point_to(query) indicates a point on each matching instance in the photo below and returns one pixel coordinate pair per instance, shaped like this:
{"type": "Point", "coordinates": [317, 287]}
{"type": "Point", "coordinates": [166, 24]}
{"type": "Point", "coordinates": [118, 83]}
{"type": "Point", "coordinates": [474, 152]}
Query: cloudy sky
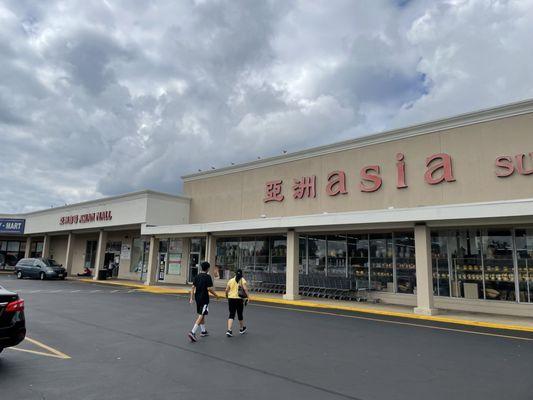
{"type": "Point", "coordinates": [104, 97]}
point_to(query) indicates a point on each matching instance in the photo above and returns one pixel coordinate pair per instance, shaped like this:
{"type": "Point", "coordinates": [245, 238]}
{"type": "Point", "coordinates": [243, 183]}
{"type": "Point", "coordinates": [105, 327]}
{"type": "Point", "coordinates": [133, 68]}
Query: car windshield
{"type": "Point", "coordinates": [51, 263]}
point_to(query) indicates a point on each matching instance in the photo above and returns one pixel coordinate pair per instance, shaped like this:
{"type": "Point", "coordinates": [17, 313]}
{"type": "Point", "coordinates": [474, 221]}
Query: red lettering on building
{"type": "Point", "coordinates": [400, 171]}
{"type": "Point", "coordinates": [304, 187]}
{"type": "Point", "coordinates": [273, 191]}
{"type": "Point", "coordinates": [336, 183]}
{"type": "Point", "coordinates": [441, 162]}
{"type": "Point", "coordinates": [86, 218]}
{"type": "Point", "coordinates": [370, 174]}
{"type": "Point", "coordinates": [520, 165]}
{"type": "Point", "coordinates": [505, 163]}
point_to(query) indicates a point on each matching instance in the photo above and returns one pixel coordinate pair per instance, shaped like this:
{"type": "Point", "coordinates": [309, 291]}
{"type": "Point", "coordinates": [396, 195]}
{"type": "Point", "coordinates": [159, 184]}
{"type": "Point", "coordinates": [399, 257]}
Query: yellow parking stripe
{"type": "Point", "coordinates": [339, 307]}
{"type": "Point", "coordinates": [441, 328]}
{"type": "Point", "coordinates": [54, 353]}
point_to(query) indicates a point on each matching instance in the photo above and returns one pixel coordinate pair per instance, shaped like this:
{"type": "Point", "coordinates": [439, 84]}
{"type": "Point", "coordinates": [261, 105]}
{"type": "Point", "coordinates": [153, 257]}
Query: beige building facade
{"type": "Point", "coordinates": [435, 216]}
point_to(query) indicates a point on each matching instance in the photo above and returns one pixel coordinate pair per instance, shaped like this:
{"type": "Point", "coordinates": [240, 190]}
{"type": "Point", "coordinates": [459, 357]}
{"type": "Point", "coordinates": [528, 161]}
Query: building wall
{"type": "Point", "coordinates": [58, 249]}
{"type": "Point", "coordinates": [78, 257]}
{"type": "Point", "coordinates": [473, 149]}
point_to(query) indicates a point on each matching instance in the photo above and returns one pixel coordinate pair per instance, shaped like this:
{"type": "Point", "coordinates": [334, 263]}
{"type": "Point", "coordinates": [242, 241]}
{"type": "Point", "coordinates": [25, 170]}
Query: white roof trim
{"type": "Point", "coordinates": [120, 197]}
{"type": "Point", "coordinates": [489, 114]}
{"type": "Point", "coordinates": [428, 214]}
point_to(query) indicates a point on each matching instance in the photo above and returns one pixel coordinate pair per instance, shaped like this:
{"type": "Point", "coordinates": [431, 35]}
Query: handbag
{"type": "Point", "coordinates": [241, 292]}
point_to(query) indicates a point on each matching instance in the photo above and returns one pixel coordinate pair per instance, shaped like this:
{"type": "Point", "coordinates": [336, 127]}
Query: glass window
{"type": "Point", "coordinates": [524, 252]}
{"type": "Point", "coordinates": [247, 254]}
{"type": "Point", "coordinates": [336, 245]}
{"type": "Point", "coordinates": [139, 256]}
{"type": "Point", "coordinates": [439, 257]}
{"type": "Point", "coordinates": [90, 253]}
{"type": "Point", "coordinates": [498, 265]}
{"type": "Point", "coordinates": [278, 254]}
{"type": "Point", "coordinates": [358, 257]}
{"type": "Point", "coordinates": [317, 254]}
{"type": "Point", "coordinates": [175, 255]}
{"type": "Point", "coordinates": [262, 260]}
{"type": "Point", "coordinates": [467, 270]}
{"type": "Point", "coordinates": [404, 247]}
{"type": "Point", "coordinates": [13, 246]}
{"type": "Point", "coordinates": [381, 266]}
{"type": "Point", "coordinates": [227, 258]}
{"type": "Point", "coordinates": [302, 257]}
{"type": "Point", "coordinates": [3, 245]}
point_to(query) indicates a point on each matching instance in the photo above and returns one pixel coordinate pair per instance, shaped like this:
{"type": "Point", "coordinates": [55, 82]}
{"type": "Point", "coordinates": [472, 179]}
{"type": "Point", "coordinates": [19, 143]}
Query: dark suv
{"type": "Point", "coordinates": [42, 268]}
{"type": "Point", "coordinates": [12, 321]}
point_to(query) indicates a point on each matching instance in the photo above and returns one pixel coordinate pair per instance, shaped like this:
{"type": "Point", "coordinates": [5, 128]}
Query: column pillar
{"type": "Point", "coordinates": [27, 250]}
{"type": "Point", "coordinates": [153, 262]}
{"type": "Point", "coordinates": [46, 246]}
{"type": "Point", "coordinates": [211, 250]}
{"type": "Point", "coordinates": [424, 277]}
{"type": "Point", "coordinates": [292, 286]}
{"type": "Point", "coordinates": [100, 253]}
{"type": "Point", "coordinates": [70, 253]}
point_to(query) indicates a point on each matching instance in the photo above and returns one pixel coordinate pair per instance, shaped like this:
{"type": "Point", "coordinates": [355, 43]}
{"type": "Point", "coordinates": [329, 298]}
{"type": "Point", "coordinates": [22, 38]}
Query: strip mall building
{"type": "Point", "coordinates": [436, 216]}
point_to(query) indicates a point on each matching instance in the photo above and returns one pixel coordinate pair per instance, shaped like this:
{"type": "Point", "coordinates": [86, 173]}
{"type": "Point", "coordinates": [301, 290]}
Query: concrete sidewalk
{"type": "Point", "coordinates": [379, 309]}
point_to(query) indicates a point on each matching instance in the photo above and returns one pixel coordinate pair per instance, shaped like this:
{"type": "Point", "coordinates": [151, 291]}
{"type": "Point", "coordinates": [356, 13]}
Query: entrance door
{"type": "Point", "coordinates": [162, 266]}
{"type": "Point", "coordinates": [194, 263]}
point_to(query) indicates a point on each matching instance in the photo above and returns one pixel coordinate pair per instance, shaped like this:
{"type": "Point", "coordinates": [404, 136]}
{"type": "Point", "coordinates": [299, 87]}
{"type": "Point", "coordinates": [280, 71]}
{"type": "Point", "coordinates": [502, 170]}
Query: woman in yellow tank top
{"type": "Point", "coordinates": [236, 301]}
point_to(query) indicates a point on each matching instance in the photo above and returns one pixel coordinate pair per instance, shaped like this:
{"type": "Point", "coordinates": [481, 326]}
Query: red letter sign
{"type": "Point", "coordinates": [370, 173]}
{"type": "Point", "coordinates": [305, 187]}
{"type": "Point", "coordinates": [273, 191]}
{"type": "Point", "coordinates": [520, 164]}
{"type": "Point", "coordinates": [506, 163]}
{"type": "Point", "coordinates": [444, 163]}
{"type": "Point", "coordinates": [400, 172]}
{"type": "Point", "coordinates": [336, 183]}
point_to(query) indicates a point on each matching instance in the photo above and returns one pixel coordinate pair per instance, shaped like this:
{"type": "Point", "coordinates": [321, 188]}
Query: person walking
{"type": "Point", "coordinates": [237, 295]}
{"type": "Point", "coordinates": [201, 287]}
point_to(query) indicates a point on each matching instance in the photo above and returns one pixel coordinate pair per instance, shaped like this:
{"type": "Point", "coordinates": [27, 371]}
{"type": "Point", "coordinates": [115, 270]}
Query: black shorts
{"type": "Point", "coordinates": [236, 305]}
{"type": "Point", "coordinates": [202, 308]}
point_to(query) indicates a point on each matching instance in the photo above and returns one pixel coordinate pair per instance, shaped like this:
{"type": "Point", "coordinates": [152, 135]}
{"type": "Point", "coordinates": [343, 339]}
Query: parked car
{"type": "Point", "coordinates": [12, 320]}
{"type": "Point", "coordinates": [41, 268]}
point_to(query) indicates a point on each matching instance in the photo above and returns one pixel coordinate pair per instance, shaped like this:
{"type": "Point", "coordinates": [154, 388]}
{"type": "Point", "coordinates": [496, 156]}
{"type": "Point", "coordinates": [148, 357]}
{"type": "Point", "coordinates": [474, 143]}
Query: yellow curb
{"type": "Point", "coordinates": [311, 304]}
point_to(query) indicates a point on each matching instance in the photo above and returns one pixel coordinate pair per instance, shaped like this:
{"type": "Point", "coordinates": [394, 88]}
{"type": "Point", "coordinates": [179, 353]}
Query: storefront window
{"type": "Point", "coordinates": [227, 258]}
{"type": "Point", "coordinates": [317, 254]}
{"type": "Point", "coordinates": [262, 260]}
{"type": "Point", "coordinates": [404, 247]}
{"type": "Point", "coordinates": [439, 257]}
{"type": "Point", "coordinates": [139, 256]}
{"type": "Point", "coordinates": [247, 254]}
{"type": "Point", "coordinates": [302, 257]}
{"type": "Point", "coordinates": [175, 257]}
{"type": "Point", "coordinates": [11, 252]}
{"type": "Point", "coordinates": [381, 263]}
{"type": "Point", "coordinates": [498, 265]}
{"type": "Point", "coordinates": [358, 257]}
{"type": "Point", "coordinates": [336, 245]}
{"type": "Point", "coordinates": [524, 252]}
{"type": "Point", "coordinates": [90, 253]}
{"type": "Point", "coordinates": [36, 249]}
{"type": "Point", "coordinates": [278, 254]}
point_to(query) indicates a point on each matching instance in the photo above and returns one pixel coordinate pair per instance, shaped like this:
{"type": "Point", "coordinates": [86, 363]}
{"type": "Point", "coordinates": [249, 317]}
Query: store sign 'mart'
{"type": "Point", "coordinates": [86, 218]}
{"type": "Point", "coordinates": [439, 170]}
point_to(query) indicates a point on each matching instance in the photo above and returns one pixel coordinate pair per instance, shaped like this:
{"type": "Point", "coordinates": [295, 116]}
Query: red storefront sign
{"type": "Point", "coordinates": [439, 169]}
{"type": "Point", "coordinates": [86, 218]}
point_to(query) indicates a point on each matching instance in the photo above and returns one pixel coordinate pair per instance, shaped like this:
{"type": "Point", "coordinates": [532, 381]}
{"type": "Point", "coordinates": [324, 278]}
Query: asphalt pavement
{"type": "Point", "coordinates": [120, 343]}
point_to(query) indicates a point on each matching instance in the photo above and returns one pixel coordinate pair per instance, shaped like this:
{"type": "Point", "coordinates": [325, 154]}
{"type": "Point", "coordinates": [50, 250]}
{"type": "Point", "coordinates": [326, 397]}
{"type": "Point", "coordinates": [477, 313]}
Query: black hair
{"type": "Point", "coordinates": [238, 275]}
{"type": "Point", "coordinates": [205, 266]}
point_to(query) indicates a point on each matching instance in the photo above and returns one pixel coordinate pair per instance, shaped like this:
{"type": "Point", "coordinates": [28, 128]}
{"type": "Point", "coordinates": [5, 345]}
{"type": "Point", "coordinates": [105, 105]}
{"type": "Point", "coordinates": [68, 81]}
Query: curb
{"type": "Point", "coordinates": [310, 304]}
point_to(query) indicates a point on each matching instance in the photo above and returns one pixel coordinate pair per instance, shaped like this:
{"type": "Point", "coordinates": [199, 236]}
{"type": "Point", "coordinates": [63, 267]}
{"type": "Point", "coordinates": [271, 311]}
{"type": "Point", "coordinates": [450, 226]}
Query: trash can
{"type": "Point", "coordinates": [102, 274]}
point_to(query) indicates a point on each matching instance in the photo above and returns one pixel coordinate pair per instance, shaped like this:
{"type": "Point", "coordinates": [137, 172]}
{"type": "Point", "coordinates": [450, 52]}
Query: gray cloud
{"type": "Point", "coordinates": [100, 98]}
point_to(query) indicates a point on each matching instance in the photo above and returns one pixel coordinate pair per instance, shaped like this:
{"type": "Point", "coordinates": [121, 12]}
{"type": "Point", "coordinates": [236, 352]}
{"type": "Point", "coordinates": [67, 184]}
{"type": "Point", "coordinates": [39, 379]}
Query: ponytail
{"type": "Point", "coordinates": [238, 275]}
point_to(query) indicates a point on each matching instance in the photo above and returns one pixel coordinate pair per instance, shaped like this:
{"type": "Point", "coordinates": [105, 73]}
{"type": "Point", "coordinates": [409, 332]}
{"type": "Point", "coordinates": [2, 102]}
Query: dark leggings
{"type": "Point", "coordinates": [236, 305]}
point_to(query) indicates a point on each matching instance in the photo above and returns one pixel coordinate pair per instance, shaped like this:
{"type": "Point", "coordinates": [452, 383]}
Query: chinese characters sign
{"type": "Point", "coordinates": [439, 170]}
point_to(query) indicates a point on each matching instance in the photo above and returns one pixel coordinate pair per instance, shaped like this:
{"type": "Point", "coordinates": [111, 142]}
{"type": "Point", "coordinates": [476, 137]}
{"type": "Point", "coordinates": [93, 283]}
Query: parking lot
{"type": "Point", "coordinates": [91, 341]}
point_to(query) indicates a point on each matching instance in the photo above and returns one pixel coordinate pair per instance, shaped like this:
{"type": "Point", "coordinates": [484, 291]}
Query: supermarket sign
{"type": "Point", "coordinates": [10, 225]}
